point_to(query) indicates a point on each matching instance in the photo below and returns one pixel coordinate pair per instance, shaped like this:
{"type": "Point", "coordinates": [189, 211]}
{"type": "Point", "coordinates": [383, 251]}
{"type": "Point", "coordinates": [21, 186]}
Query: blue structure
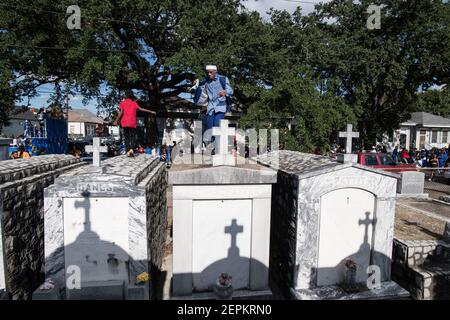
{"type": "Point", "coordinates": [55, 139]}
{"type": "Point", "coordinates": [50, 138]}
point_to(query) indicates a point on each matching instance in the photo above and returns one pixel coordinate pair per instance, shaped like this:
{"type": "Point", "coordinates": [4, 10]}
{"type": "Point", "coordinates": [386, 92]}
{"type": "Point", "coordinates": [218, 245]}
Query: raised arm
{"type": "Point", "coordinates": [148, 111]}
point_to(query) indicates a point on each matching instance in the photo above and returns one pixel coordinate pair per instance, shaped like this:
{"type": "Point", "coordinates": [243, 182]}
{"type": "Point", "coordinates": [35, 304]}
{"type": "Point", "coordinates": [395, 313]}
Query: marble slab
{"type": "Point", "coordinates": [97, 219]}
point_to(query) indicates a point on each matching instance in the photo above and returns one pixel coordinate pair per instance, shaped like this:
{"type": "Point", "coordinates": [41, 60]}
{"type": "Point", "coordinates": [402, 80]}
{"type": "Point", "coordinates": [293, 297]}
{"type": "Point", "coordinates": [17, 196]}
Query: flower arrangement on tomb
{"type": "Point", "coordinates": [223, 288]}
{"type": "Point", "coordinates": [349, 283]}
{"type": "Point", "coordinates": [350, 264]}
{"type": "Point", "coordinates": [225, 279]}
{"type": "Point", "coordinates": [142, 278]}
{"type": "Point", "coordinates": [47, 285]}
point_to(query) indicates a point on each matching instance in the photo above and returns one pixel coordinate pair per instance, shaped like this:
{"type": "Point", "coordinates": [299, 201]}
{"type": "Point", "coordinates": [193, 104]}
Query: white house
{"type": "Point", "coordinates": [422, 130]}
{"type": "Point", "coordinates": [83, 123]}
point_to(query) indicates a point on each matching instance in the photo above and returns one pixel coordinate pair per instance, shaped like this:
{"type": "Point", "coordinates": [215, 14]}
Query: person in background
{"type": "Point", "coordinates": [395, 154]}
{"type": "Point", "coordinates": [405, 157]}
{"type": "Point", "coordinates": [442, 159]}
{"type": "Point", "coordinates": [23, 154]}
{"type": "Point", "coordinates": [127, 116]}
{"type": "Point", "coordinates": [14, 155]}
{"type": "Point", "coordinates": [434, 164]}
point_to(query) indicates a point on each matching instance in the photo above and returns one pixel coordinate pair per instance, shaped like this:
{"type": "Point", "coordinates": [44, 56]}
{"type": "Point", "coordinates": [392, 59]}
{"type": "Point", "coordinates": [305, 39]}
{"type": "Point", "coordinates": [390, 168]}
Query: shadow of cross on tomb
{"type": "Point", "coordinates": [233, 230]}
{"type": "Point", "coordinates": [96, 149]}
{"type": "Point", "coordinates": [367, 222]}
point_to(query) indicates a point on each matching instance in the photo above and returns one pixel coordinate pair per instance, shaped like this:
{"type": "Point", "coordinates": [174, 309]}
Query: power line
{"type": "Point", "coordinates": [118, 51]}
{"type": "Point", "coordinates": [305, 2]}
{"type": "Point", "coordinates": [85, 17]}
{"type": "Point", "coordinates": [66, 49]}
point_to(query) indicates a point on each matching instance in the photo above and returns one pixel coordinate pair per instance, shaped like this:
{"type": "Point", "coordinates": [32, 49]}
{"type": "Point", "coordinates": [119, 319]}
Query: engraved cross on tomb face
{"type": "Point", "coordinates": [96, 149]}
{"type": "Point", "coordinates": [233, 230]}
{"type": "Point", "coordinates": [222, 155]}
{"type": "Point", "coordinates": [349, 135]}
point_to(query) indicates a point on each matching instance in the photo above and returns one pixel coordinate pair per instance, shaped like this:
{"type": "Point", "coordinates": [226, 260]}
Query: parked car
{"type": "Point", "coordinates": [383, 161]}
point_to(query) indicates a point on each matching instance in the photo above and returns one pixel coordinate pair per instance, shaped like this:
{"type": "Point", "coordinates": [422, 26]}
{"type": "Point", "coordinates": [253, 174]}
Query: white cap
{"type": "Point", "coordinates": [211, 67]}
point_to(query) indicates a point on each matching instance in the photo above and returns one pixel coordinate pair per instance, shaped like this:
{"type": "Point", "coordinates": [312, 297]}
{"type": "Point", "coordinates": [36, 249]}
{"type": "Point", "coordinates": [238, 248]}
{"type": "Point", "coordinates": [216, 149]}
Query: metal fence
{"type": "Point", "coordinates": [437, 181]}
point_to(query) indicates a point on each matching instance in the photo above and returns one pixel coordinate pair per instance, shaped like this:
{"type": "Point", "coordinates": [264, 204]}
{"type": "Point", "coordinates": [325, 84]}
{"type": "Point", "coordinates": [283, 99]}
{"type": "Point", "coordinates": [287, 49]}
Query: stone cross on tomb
{"type": "Point", "coordinates": [222, 155]}
{"type": "Point", "coordinates": [233, 230]}
{"type": "Point", "coordinates": [96, 149]}
{"type": "Point", "coordinates": [349, 135]}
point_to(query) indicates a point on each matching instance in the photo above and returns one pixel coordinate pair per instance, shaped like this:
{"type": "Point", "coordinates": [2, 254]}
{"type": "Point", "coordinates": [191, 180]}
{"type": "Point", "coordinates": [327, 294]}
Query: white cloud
{"type": "Point", "coordinates": [76, 98]}
{"type": "Point", "coordinates": [262, 6]}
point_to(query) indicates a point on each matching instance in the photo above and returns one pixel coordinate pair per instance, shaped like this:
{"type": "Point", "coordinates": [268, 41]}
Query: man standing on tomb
{"type": "Point", "coordinates": [219, 92]}
{"type": "Point", "coordinates": [127, 115]}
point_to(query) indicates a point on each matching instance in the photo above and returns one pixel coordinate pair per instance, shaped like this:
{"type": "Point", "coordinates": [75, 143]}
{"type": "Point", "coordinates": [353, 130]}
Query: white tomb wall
{"type": "Point", "coordinates": [341, 234]}
{"type": "Point", "coordinates": [211, 243]}
{"type": "Point", "coordinates": [221, 226]}
{"type": "Point", "coordinates": [100, 249]}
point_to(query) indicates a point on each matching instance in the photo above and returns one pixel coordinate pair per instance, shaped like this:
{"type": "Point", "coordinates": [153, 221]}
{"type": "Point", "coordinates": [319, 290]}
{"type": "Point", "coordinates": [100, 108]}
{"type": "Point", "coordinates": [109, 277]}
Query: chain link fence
{"type": "Point", "coordinates": [437, 181]}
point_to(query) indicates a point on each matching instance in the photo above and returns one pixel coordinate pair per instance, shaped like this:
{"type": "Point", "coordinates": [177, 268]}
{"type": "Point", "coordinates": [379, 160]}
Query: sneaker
{"type": "Point", "coordinates": [130, 153]}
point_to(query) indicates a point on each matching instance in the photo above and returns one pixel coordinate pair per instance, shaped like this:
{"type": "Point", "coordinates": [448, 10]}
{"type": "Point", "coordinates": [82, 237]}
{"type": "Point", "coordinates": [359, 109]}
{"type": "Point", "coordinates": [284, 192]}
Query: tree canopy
{"type": "Point", "coordinates": [310, 73]}
{"type": "Point", "coordinates": [435, 101]}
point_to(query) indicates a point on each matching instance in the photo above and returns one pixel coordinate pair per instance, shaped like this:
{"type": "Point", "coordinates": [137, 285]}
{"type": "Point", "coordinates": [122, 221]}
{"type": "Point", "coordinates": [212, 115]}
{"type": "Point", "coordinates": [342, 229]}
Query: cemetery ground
{"type": "Point", "coordinates": [420, 219]}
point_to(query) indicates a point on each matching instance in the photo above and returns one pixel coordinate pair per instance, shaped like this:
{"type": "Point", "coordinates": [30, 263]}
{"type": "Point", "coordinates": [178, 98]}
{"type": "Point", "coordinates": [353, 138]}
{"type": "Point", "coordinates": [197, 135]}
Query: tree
{"type": "Point", "coordinates": [306, 119]}
{"type": "Point", "coordinates": [323, 69]}
{"type": "Point", "coordinates": [380, 70]}
{"type": "Point", "coordinates": [435, 101]}
{"type": "Point", "coordinates": [154, 47]}
{"type": "Point", "coordinates": [6, 96]}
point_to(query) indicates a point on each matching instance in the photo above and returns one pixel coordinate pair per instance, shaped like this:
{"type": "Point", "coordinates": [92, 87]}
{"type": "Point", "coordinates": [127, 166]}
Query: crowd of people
{"type": "Point", "coordinates": [115, 149]}
{"type": "Point", "coordinates": [426, 158]}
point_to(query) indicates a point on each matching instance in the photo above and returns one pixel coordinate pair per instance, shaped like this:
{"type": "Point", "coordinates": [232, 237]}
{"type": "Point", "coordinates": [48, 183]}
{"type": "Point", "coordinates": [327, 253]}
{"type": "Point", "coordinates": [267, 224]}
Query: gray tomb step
{"type": "Point", "coordinates": [99, 290]}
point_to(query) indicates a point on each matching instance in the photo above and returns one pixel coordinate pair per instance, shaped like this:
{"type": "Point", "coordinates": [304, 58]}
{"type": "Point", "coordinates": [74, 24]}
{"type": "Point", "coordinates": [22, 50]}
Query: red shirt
{"type": "Point", "coordinates": [129, 108]}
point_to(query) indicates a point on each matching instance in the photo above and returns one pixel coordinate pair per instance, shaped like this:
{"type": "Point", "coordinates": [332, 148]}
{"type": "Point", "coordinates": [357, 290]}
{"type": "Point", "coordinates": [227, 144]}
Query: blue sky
{"type": "Point", "coordinates": [261, 6]}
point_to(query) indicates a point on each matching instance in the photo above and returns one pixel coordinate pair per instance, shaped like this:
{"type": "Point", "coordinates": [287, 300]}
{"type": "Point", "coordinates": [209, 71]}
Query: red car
{"type": "Point", "coordinates": [383, 161]}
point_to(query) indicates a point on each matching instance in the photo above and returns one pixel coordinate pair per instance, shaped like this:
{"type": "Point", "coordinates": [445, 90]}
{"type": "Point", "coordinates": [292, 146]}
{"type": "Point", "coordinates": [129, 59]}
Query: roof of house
{"type": "Point", "coordinates": [83, 115]}
{"type": "Point", "coordinates": [429, 120]}
{"type": "Point", "coordinates": [22, 113]}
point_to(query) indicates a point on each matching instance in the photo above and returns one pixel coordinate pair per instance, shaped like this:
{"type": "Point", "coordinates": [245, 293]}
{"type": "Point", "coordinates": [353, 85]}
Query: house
{"type": "Point", "coordinates": [422, 130]}
{"type": "Point", "coordinates": [17, 120]}
{"type": "Point", "coordinates": [84, 124]}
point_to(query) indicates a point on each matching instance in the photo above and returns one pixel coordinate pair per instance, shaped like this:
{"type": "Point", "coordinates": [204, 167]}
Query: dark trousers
{"type": "Point", "coordinates": [129, 135]}
{"type": "Point", "coordinates": [213, 119]}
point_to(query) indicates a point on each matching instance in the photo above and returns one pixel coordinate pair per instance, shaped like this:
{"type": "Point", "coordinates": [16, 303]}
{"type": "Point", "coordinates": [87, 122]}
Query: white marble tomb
{"type": "Point", "coordinates": [324, 214]}
{"type": "Point", "coordinates": [96, 219]}
{"type": "Point", "coordinates": [221, 224]}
